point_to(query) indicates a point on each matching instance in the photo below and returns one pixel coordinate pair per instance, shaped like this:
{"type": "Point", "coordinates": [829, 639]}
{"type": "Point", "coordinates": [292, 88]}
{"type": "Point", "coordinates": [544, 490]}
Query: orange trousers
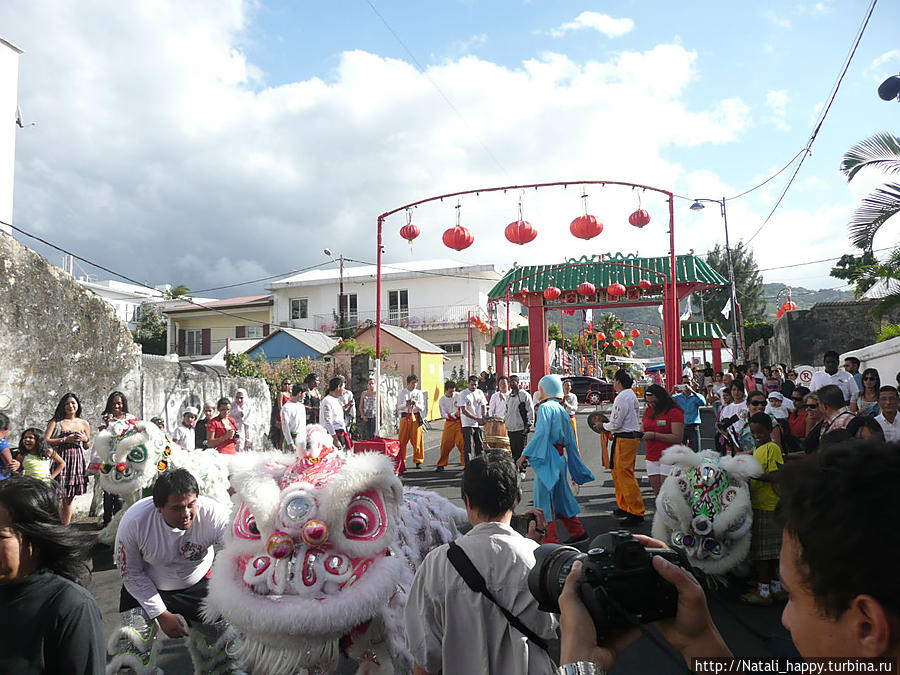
{"type": "Point", "coordinates": [575, 431]}
{"type": "Point", "coordinates": [411, 432]}
{"type": "Point", "coordinates": [628, 492]}
{"type": "Point", "coordinates": [452, 436]}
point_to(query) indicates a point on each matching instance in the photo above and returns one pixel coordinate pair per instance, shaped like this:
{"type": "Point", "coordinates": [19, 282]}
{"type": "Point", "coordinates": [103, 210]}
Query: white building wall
{"type": "Point", "coordinates": [9, 86]}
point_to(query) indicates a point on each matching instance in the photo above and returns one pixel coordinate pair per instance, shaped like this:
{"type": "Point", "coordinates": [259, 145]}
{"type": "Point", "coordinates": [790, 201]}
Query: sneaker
{"type": "Point", "coordinates": [630, 520]}
{"type": "Point", "coordinates": [580, 539]}
{"type": "Point", "coordinates": [755, 598]}
{"type": "Point", "coordinates": [619, 512]}
{"type": "Point", "coordinates": [438, 469]}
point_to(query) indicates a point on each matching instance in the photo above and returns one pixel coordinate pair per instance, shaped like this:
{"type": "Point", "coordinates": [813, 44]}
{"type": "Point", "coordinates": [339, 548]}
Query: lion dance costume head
{"type": "Point", "coordinates": [704, 508]}
{"type": "Point", "coordinates": [318, 558]}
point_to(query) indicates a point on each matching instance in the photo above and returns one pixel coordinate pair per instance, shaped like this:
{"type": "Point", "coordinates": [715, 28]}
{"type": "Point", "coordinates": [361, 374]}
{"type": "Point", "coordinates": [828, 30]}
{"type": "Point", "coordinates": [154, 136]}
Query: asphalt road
{"type": "Point", "coordinates": [749, 631]}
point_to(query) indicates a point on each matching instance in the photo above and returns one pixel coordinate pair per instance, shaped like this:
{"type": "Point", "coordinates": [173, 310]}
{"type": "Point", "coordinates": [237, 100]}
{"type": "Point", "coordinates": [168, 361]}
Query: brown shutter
{"type": "Point", "coordinates": [206, 340]}
{"type": "Point", "coordinates": [265, 329]}
{"type": "Point", "coordinates": [240, 331]}
{"type": "Point", "coordinates": [182, 339]}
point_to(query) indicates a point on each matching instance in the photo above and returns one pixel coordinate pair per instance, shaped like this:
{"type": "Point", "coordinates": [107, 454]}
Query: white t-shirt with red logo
{"type": "Point", "coordinates": [153, 557]}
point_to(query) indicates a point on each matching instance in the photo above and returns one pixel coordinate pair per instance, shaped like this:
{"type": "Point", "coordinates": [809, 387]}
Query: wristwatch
{"type": "Point", "coordinates": [580, 668]}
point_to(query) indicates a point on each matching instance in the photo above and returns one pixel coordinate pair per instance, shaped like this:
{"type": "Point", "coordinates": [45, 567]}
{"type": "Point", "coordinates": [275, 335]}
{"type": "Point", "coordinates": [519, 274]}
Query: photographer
{"type": "Point", "coordinates": [443, 613]}
{"type": "Point", "coordinates": [839, 606]}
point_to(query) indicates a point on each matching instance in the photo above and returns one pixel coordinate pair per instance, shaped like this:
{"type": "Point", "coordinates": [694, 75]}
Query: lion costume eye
{"type": "Point", "coordinates": [138, 454]}
{"type": "Point", "coordinates": [366, 518]}
{"type": "Point", "coordinates": [245, 524]}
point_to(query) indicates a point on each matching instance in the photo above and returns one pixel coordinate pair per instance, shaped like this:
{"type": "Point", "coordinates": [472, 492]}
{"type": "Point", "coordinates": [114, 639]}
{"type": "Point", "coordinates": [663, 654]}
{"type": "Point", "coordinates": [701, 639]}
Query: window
{"type": "Point", "coordinates": [254, 331]}
{"type": "Point", "coordinates": [398, 304]}
{"type": "Point", "coordinates": [299, 308]}
{"type": "Point", "coordinates": [193, 342]}
{"type": "Point", "coordinates": [350, 312]}
{"type": "Point", "coordinates": [452, 347]}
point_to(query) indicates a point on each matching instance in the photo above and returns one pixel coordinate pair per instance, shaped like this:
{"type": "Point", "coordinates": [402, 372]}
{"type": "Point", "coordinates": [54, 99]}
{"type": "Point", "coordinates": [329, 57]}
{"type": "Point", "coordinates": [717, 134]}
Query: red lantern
{"type": "Point", "coordinates": [458, 237]}
{"type": "Point", "coordinates": [409, 232]}
{"type": "Point", "coordinates": [658, 343]}
{"type": "Point", "coordinates": [616, 344]}
{"type": "Point", "coordinates": [650, 331]}
{"type": "Point", "coordinates": [639, 218]}
{"type": "Point", "coordinates": [616, 290]}
{"type": "Point", "coordinates": [601, 335]}
{"type": "Point", "coordinates": [586, 288]}
{"type": "Point", "coordinates": [606, 344]}
{"type": "Point", "coordinates": [586, 227]}
{"type": "Point", "coordinates": [552, 293]}
{"type": "Point", "coordinates": [647, 342]}
{"type": "Point", "coordinates": [635, 332]}
{"type": "Point", "coordinates": [629, 342]}
{"type": "Point", "coordinates": [643, 284]}
{"type": "Point", "coordinates": [520, 232]}
{"type": "Point", "coordinates": [619, 334]}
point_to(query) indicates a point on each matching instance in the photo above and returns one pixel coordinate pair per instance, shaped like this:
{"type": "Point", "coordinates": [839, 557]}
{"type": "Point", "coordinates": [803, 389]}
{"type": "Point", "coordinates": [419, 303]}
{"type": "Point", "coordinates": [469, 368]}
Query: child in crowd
{"type": "Point", "coordinates": [775, 406]}
{"type": "Point", "coordinates": [765, 541]}
{"type": "Point", "coordinates": [7, 464]}
{"type": "Point", "coordinates": [36, 457]}
{"type": "Point", "coordinates": [184, 434]}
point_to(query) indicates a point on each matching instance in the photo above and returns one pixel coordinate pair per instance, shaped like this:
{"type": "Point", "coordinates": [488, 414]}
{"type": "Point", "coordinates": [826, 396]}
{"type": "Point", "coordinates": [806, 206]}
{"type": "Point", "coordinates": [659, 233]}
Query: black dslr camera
{"type": "Point", "coordinates": [617, 582]}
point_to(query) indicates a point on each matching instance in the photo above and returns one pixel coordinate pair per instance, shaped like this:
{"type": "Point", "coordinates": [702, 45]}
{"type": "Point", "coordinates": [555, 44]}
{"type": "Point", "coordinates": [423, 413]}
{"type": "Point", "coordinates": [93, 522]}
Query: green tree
{"type": "Point", "coordinates": [178, 291]}
{"type": "Point", "coordinates": [747, 284]}
{"type": "Point", "coordinates": [855, 268]}
{"type": "Point", "coordinates": [151, 329]}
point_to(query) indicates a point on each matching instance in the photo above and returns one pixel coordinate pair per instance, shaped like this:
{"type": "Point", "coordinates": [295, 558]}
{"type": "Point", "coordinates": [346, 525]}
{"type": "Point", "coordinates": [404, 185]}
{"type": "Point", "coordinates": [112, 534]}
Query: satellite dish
{"type": "Point", "coordinates": [890, 88]}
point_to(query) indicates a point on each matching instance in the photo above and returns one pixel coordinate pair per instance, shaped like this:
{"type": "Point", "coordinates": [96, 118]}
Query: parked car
{"type": "Point", "coordinates": [591, 390]}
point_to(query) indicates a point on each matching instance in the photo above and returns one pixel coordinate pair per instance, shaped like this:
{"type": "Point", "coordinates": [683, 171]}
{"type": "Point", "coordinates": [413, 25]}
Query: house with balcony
{"type": "Point", "coordinates": [199, 330]}
{"type": "Point", "coordinates": [434, 299]}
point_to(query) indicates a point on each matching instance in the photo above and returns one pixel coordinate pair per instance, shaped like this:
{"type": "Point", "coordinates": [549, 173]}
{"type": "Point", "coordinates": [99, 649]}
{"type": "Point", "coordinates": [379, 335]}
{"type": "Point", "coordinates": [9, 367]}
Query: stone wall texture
{"type": "Point", "coordinates": [57, 337]}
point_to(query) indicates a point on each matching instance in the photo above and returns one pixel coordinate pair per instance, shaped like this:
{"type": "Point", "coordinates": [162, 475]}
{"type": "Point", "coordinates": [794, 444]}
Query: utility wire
{"type": "Point", "coordinates": [821, 119]}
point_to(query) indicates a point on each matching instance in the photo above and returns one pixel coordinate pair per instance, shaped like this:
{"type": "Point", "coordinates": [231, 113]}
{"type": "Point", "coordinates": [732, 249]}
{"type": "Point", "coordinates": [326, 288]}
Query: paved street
{"type": "Point", "coordinates": [750, 631]}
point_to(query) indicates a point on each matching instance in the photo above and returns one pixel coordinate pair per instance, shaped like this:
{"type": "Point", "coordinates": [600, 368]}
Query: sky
{"type": "Point", "coordinates": [218, 141]}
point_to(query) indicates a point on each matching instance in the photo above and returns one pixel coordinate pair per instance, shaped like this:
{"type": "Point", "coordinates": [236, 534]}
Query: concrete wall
{"type": "Point", "coordinates": [883, 356]}
{"type": "Point", "coordinates": [57, 337]}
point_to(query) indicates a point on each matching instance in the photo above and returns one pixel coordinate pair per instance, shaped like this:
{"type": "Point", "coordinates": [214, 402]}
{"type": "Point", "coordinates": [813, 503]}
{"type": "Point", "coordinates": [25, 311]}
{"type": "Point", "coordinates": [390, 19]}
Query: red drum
{"type": "Point", "coordinates": [495, 435]}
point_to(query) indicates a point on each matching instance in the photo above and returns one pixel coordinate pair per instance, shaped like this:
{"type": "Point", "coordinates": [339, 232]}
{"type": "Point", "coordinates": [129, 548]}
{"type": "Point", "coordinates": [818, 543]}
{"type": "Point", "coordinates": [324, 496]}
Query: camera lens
{"type": "Point", "coordinates": [546, 579]}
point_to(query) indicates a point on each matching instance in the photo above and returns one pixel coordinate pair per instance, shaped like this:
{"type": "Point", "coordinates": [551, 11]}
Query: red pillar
{"type": "Point", "coordinates": [717, 354]}
{"type": "Point", "coordinates": [537, 339]}
{"type": "Point", "coordinates": [500, 361]}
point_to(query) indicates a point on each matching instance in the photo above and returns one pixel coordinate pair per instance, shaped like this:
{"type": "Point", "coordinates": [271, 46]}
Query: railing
{"type": "Point", "coordinates": [414, 318]}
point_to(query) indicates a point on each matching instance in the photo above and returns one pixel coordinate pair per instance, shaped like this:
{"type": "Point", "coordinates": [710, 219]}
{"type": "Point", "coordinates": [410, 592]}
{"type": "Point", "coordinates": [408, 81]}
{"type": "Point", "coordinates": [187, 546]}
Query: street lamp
{"type": "Point", "coordinates": [340, 263]}
{"type": "Point", "coordinates": [698, 206]}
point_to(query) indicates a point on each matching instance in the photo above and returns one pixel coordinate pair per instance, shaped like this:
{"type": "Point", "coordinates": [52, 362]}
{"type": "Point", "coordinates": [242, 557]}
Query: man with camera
{"type": "Point", "coordinates": [840, 606]}
{"type": "Point", "coordinates": [444, 613]}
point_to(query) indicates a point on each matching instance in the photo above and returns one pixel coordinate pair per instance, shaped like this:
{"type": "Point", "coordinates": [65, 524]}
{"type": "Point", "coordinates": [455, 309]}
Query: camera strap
{"type": "Point", "coordinates": [462, 564]}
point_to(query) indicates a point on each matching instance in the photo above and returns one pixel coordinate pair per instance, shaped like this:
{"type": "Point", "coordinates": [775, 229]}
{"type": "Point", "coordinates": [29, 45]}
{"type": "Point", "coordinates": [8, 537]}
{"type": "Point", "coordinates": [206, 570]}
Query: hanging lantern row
{"type": "Point", "coordinates": [552, 293]}
{"type": "Point", "coordinates": [647, 342]}
{"type": "Point", "coordinates": [586, 288]}
{"type": "Point", "coordinates": [635, 333]}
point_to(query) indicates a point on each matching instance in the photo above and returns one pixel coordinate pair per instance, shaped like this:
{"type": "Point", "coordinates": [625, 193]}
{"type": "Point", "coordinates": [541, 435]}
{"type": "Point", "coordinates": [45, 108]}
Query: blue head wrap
{"type": "Point", "coordinates": [552, 386]}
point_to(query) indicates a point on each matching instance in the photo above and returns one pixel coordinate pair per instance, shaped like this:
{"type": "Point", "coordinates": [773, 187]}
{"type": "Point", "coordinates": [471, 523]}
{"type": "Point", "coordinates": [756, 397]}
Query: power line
{"type": "Point", "coordinates": [434, 84]}
{"type": "Point", "coordinates": [256, 281]}
{"type": "Point", "coordinates": [821, 120]}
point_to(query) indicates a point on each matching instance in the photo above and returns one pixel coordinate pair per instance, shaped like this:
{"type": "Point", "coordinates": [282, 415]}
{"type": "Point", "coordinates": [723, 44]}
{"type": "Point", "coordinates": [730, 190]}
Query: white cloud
{"type": "Point", "coordinates": [776, 102]}
{"type": "Point", "coordinates": [473, 43]}
{"type": "Point", "coordinates": [776, 20]}
{"type": "Point", "coordinates": [160, 151]}
{"type": "Point", "coordinates": [602, 23]}
{"type": "Point", "coordinates": [887, 57]}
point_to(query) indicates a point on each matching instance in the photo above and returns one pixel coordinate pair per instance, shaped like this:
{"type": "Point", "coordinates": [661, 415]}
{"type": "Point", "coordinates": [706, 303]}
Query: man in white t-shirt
{"type": "Point", "coordinates": [164, 550]}
{"type": "Point", "coordinates": [184, 432]}
{"type": "Point", "coordinates": [833, 375]}
{"type": "Point", "coordinates": [452, 435]}
{"type": "Point", "coordinates": [497, 406]}
{"type": "Point", "coordinates": [472, 407]}
{"type": "Point", "coordinates": [888, 401]}
{"type": "Point", "coordinates": [293, 422]}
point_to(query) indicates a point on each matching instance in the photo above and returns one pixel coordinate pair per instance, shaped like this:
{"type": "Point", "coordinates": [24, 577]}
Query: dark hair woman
{"type": "Point", "coordinates": [867, 403]}
{"type": "Point", "coordinates": [116, 409]}
{"type": "Point", "coordinates": [40, 564]}
{"type": "Point", "coordinates": [663, 426]}
{"type": "Point", "coordinates": [312, 398]}
{"type": "Point", "coordinates": [70, 436]}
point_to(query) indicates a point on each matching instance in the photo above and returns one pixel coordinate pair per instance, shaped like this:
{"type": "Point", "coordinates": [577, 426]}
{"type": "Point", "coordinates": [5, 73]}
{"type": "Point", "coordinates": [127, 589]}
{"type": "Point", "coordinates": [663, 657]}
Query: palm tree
{"type": "Point", "coordinates": [881, 151]}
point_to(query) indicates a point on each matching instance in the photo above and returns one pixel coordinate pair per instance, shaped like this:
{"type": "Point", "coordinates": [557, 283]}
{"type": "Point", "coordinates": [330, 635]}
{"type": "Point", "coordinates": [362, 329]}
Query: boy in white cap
{"type": "Point", "coordinates": [552, 453]}
{"type": "Point", "coordinates": [184, 434]}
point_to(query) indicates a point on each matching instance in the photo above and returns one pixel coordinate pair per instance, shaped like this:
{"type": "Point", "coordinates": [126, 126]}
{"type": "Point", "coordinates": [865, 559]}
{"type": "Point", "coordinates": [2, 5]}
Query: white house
{"type": "Point", "coordinates": [125, 298]}
{"type": "Point", "coordinates": [435, 299]}
{"type": "Point", "coordinates": [9, 96]}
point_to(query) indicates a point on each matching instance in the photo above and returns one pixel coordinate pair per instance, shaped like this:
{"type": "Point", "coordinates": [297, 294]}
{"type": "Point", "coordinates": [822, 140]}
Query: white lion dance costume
{"type": "Point", "coordinates": [319, 557]}
{"type": "Point", "coordinates": [704, 508]}
{"type": "Point", "coordinates": [134, 452]}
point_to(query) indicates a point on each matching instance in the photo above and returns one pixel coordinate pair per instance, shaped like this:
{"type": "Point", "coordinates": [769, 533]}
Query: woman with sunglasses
{"type": "Point", "coordinates": [797, 417]}
{"type": "Point", "coordinates": [815, 417]}
{"type": "Point", "coordinates": [867, 403]}
{"type": "Point", "coordinates": [756, 403]}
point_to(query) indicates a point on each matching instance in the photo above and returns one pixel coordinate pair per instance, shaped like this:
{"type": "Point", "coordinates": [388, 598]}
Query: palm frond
{"type": "Point", "coordinates": [873, 212]}
{"type": "Point", "coordinates": [880, 151]}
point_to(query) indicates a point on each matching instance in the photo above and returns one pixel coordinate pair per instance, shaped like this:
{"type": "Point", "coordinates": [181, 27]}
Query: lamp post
{"type": "Point", "coordinates": [340, 263]}
{"type": "Point", "coordinates": [698, 206]}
